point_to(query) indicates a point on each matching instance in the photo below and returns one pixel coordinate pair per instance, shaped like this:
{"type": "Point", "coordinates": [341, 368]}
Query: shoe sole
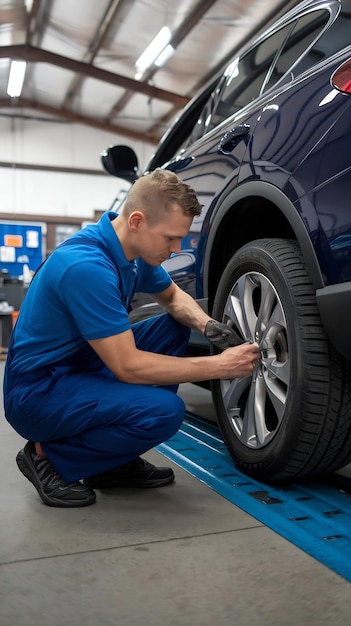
{"type": "Point", "coordinates": [25, 466]}
{"type": "Point", "coordinates": [143, 484]}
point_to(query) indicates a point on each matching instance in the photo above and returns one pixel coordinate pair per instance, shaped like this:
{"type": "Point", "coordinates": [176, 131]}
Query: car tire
{"type": "Point", "coordinates": [291, 418]}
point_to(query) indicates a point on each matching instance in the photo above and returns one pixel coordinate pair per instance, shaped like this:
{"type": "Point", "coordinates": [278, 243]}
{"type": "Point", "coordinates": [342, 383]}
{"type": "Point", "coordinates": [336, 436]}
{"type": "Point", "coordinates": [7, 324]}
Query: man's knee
{"type": "Point", "coordinates": [177, 413]}
{"type": "Point", "coordinates": [164, 419]}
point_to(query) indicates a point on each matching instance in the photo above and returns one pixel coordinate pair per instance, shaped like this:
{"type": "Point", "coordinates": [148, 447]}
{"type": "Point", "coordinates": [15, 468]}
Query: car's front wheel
{"type": "Point", "coordinates": [292, 417]}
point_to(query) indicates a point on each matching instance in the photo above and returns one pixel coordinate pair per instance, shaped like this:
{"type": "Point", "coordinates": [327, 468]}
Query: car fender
{"type": "Point", "coordinates": [283, 204]}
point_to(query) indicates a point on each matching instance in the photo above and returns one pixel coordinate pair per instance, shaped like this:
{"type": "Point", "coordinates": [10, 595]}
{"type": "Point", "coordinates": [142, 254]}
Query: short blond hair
{"type": "Point", "coordinates": [158, 192]}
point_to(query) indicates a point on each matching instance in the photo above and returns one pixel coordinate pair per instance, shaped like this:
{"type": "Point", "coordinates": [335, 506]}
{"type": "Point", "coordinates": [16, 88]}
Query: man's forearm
{"type": "Point", "coordinates": [186, 311]}
{"type": "Point", "coordinates": [149, 368]}
{"type": "Point", "coordinates": [157, 369]}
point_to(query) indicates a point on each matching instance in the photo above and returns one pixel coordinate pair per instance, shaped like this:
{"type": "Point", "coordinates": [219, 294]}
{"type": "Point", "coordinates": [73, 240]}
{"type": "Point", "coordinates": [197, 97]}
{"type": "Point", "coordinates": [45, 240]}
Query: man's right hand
{"type": "Point", "coordinates": [240, 361]}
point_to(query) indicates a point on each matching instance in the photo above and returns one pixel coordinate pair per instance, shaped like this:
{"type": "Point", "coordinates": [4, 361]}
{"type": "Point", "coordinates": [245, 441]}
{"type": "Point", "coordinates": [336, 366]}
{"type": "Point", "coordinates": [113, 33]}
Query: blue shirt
{"type": "Point", "coordinates": [81, 292]}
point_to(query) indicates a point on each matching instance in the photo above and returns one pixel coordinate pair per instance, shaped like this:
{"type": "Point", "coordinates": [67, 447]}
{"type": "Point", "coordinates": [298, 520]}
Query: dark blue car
{"type": "Point", "coordinates": [267, 147]}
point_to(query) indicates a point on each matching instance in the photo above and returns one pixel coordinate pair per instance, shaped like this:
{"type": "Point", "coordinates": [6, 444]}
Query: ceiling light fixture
{"type": "Point", "coordinates": [153, 52]}
{"type": "Point", "coordinates": [16, 78]}
{"type": "Point", "coordinates": [164, 56]}
{"type": "Point", "coordinates": [29, 4]}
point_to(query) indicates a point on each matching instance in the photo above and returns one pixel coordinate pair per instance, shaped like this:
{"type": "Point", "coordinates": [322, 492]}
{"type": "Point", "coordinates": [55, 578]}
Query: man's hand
{"type": "Point", "coordinates": [240, 361]}
{"type": "Point", "coordinates": [221, 335]}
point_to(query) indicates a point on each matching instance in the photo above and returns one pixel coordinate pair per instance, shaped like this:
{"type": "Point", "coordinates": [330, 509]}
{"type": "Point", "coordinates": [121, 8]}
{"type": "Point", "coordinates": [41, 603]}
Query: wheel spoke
{"type": "Point", "coordinates": [240, 307]}
{"type": "Point", "coordinates": [232, 395]}
{"type": "Point", "coordinates": [268, 299]}
{"type": "Point", "coordinates": [254, 431]}
{"type": "Point", "coordinates": [277, 395]}
{"type": "Point", "coordinates": [248, 432]}
{"type": "Point", "coordinates": [274, 325]}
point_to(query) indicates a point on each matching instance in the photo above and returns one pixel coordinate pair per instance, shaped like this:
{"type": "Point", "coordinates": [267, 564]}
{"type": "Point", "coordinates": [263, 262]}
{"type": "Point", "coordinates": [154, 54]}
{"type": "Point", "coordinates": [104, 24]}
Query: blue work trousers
{"type": "Point", "coordinates": [86, 420]}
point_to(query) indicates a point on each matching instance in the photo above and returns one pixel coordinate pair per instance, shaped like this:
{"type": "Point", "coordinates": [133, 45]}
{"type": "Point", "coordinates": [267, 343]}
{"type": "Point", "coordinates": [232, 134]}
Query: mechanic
{"type": "Point", "coordinates": [90, 391]}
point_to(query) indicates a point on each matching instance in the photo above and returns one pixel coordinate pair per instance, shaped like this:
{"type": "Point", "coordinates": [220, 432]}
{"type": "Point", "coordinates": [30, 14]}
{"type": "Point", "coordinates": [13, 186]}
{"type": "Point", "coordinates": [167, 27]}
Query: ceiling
{"type": "Point", "coordinates": [81, 56]}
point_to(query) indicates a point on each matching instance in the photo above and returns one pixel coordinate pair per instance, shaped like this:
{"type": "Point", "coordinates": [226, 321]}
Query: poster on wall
{"type": "Point", "coordinates": [21, 248]}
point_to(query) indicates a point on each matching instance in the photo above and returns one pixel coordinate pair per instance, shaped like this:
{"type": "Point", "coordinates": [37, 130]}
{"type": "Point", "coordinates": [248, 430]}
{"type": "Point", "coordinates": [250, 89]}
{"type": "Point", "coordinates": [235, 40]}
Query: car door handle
{"type": "Point", "coordinates": [231, 138]}
{"type": "Point", "coordinates": [179, 164]}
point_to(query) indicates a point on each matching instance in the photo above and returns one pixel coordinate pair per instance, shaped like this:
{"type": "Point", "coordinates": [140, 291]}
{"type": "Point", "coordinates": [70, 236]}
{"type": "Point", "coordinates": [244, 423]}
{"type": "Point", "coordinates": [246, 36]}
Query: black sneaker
{"type": "Point", "coordinates": [51, 487]}
{"type": "Point", "coordinates": [137, 473]}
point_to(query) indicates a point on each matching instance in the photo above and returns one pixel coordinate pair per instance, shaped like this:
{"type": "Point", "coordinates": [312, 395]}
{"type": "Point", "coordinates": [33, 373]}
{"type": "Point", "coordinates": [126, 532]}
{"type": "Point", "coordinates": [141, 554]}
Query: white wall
{"type": "Point", "coordinates": [58, 144]}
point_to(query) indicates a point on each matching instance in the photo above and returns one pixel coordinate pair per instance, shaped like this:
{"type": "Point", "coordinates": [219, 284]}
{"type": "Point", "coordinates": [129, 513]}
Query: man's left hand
{"type": "Point", "coordinates": [221, 335]}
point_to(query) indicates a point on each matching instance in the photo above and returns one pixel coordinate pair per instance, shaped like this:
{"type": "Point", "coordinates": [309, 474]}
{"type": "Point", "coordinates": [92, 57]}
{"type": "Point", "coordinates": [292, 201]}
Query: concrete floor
{"type": "Point", "coordinates": [181, 555]}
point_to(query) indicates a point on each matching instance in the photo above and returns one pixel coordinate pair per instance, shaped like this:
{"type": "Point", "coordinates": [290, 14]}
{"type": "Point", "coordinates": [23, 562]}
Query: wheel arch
{"type": "Point", "coordinates": [261, 210]}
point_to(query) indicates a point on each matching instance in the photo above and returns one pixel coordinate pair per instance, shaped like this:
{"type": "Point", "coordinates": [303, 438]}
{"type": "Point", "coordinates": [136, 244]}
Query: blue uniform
{"type": "Point", "coordinates": [57, 390]}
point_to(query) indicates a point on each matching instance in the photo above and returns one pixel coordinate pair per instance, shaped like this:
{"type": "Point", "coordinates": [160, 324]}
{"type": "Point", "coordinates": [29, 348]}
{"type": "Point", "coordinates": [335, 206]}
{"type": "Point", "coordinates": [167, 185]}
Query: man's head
{"type": "Point", "coordinates": [157, 214]}
{"type": "Point", "coordinates": [155, 194]}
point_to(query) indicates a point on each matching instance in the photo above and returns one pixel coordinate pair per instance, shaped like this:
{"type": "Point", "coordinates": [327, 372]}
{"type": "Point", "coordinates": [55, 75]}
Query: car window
{"type": "Point", "coordinates": [240, 84]}
{"type": "Point", "coordinates": [245, 76]}
{"type": "Point", "coordinates": [178, 134]}
{"type": "Point", "coordinates": [201, 126]}
{"type": "Point", "coordinates": [337, 36]}
{"type": "Point", "coordinates": [298, 53]}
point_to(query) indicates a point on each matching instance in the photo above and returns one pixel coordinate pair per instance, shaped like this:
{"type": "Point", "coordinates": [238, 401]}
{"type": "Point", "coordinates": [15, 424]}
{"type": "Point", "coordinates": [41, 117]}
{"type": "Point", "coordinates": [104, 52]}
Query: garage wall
{"type": "Point", "coordinates": [26, 142]}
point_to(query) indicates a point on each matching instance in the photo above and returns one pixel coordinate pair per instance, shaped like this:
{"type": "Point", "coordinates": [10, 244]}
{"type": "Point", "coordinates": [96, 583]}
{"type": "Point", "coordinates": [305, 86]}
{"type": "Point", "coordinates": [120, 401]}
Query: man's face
{"type": "Point", "coordinates": [156, 243]}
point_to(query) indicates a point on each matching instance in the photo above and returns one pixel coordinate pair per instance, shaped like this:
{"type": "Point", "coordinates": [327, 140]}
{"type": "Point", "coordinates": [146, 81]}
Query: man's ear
{"type": "Point", "coordinates": [136, 220]}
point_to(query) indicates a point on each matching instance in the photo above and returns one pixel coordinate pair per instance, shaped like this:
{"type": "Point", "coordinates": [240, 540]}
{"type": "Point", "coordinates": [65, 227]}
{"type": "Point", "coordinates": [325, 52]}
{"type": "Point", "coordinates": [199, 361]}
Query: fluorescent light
{"type": "Point", "coordinates": [153, 51]}
{"type": "Point", "coordinates": [16, 78]}
{"type": "Point", "coordinates": [164, 56]}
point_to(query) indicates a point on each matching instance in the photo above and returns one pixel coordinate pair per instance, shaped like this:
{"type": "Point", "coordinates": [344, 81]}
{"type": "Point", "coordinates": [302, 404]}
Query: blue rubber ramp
{"type": "Point", "coordinates": [313, 515]}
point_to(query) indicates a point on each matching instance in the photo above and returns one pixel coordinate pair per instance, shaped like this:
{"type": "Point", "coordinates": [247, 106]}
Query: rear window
{"type": "Point", "coordinates": [298, 53]}
{"type": "Point", "coordinates": [285, 54]}
{"type": "Point", "coordinates": [320, 43]}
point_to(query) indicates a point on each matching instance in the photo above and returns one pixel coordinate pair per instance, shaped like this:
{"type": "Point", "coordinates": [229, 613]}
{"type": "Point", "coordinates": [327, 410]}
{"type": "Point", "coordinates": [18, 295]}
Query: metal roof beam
{"type": "Point", "coordinates": [79, 119]}
{"type": "Point", "coordinates": [37, 55]}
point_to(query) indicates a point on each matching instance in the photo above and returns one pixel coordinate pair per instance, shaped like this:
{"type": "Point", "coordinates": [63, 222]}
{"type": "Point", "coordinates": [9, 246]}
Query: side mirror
{"type": "Point", "coordinates": [121, 161]}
